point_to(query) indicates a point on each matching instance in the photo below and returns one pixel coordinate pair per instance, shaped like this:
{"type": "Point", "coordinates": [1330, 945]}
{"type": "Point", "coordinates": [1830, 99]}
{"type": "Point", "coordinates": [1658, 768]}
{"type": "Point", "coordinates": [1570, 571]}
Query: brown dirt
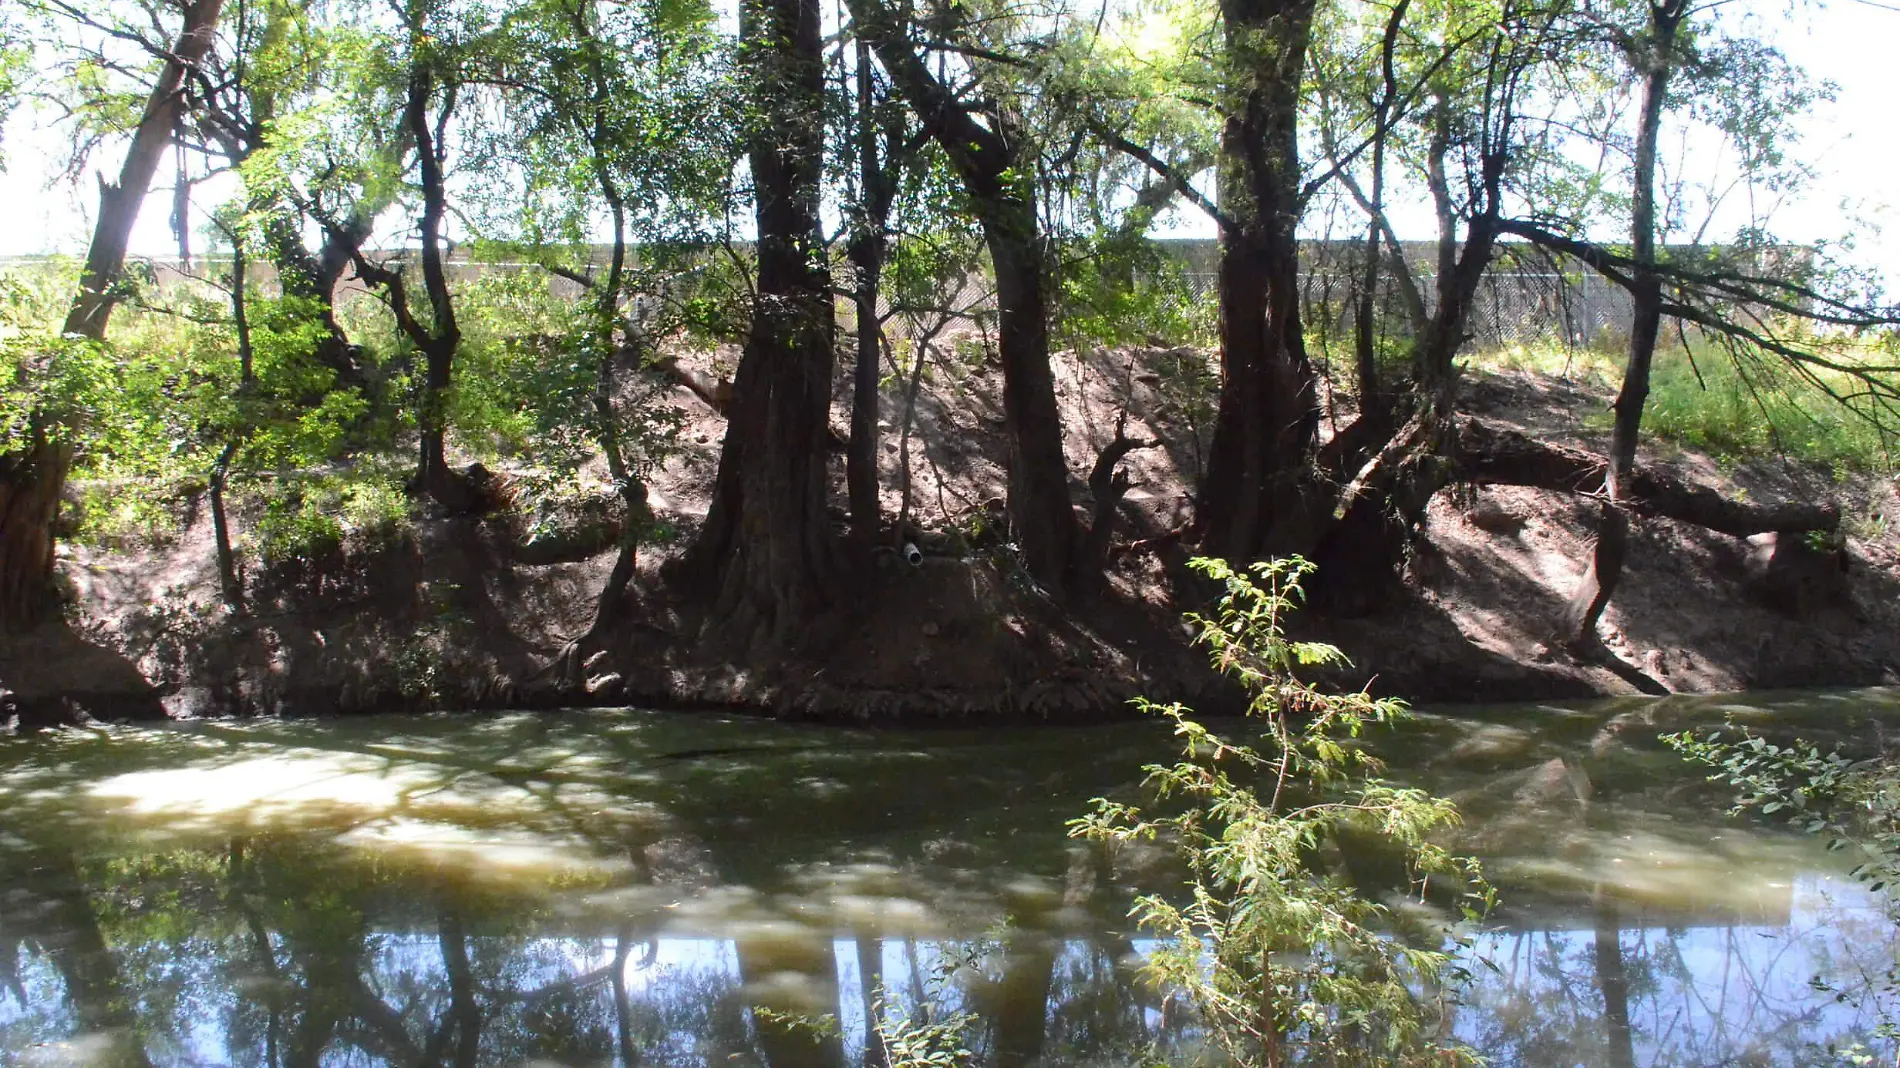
{"type": "Point", "coordinates": [441, 616]}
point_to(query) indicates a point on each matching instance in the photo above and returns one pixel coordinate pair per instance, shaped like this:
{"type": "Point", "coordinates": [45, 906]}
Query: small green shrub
{"type": "Point", "coordinates": [1286, 961]}
{"type": "Point", "coordinates": [310, 517]}
{"type": "Point", "coordinates": [1853, 804]}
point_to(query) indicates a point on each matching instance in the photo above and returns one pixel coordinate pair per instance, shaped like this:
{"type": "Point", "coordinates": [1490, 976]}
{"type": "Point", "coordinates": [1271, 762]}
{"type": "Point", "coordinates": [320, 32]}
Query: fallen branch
{"type": "Point", "coordinates": [1490, 455]}
{"type": "Point", "coordinates": [717, 393]}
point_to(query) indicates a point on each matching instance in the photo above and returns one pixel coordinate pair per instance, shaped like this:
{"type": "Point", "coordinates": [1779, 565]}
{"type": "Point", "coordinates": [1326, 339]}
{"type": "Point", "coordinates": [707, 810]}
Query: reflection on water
{"type": "Point", "coordinates": [635, 888]}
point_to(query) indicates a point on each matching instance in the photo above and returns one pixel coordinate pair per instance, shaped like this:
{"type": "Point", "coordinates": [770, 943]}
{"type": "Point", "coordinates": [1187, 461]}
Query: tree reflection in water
{"type": "Point", "coordinates": [266, 956]}
{"type": "Point", "coordinates": [626, 889]}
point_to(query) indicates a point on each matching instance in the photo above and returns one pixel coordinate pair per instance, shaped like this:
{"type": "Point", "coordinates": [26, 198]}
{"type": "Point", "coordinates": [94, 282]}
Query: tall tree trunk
{"type": "Point", "coordinates": [445, 335]}
{"type": "Point", "coordinates": [228, 578]}
{"type": "Point", "coordinates": [119, 203]}
{"type": "Point", "coordinates": [1655, 59]}
{"type": "Point", "coordinates": [32, 479]}
{"type": "Point", "coordinates": [1254, 498]}
{"type": "Point", "coordinates": [992, 161]}
{"type": "Point", "coordinates": [876, 189]}
{"type": "Point", "coordinates": [766, 554]}
{"type": "Point", "coordinates": [1040, 512]}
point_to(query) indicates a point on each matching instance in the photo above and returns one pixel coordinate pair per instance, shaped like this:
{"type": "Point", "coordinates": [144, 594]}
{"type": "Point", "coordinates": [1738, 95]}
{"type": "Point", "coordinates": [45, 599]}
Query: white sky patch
{"type": "Point", "coordinates": [1856, 194]}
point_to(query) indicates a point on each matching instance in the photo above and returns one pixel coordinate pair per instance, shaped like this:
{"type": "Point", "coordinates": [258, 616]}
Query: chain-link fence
{"type": "Point", "coordinates": [1523, 300]}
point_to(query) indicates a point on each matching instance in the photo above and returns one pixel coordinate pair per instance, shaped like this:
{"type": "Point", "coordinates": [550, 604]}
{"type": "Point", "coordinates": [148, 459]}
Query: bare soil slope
{"type": "Point", "coordinates": [453, 613]}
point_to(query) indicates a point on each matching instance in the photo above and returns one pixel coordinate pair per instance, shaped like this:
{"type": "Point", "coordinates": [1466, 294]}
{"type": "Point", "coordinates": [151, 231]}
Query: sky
{"type": "Point", "coordinates": [1850, 142]}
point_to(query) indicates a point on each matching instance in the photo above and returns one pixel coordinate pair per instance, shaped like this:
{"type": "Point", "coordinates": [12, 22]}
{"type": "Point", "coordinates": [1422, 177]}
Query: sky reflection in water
{"type": "Point", "coordinates": [622, 888]}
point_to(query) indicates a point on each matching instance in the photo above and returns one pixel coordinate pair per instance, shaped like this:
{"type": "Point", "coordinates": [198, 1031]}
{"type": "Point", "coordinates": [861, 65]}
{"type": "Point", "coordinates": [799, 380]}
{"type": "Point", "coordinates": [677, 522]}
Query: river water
{"type": "Point", "coordinates": [629, 887]}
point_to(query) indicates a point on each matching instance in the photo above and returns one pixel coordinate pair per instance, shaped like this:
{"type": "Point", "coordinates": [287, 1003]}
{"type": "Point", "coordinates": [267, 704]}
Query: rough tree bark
{"type": "Point", "coordinates": [1653, 55]}
{"type": "Point", "coordinates": [1253, 501]}
{"type": "Point", "coordinates": [990, 159]}
{"type": "Point", "coordinates": [766, 555]}
{"type": "Point", "coordinates": [439, 345]}
{"type": "Point", "coordinates": [439, 338]}
{"type": "Point", "coordinates": [877, 188]}
{"type": "Point", "coordinates": [32, 478]}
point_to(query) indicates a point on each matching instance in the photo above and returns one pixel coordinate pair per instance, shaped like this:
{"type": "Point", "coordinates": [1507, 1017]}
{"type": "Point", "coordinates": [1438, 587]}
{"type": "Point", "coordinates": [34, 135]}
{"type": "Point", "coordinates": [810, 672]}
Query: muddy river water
{"type": "Point", "coordinates": [642, 888]}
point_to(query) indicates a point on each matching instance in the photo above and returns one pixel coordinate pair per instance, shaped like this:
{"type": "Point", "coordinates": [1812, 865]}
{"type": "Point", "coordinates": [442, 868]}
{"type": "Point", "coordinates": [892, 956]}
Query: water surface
{"type": "Point", "coordinates": [640, 888]}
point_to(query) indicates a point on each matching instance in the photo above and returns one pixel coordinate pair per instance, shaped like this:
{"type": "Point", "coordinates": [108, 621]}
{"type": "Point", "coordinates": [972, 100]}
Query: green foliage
{"type": "Point", "coordinates": [921, 1041]}
{"type": "Point", "coordinates": [51, 380]}
{"type": "Point", "coordinates": [1121, 289]}
{"type": "Point", "coordinates": [310, 516]}
{"type": "Point", "coordinates": [1738, 410]}
{"type": "Point", "coordinates": [1287, 961]}
{"type": "Point", "coordinates": [930, 1035]}
{"type": "Point", "coordinates": [1704, 399]}
{"type": "Point", "coordinates": [1854, 804]}
{"type": "Point", "coordinates": [153, 407]}
{"type": "Point", "coordinates": [16, 58]}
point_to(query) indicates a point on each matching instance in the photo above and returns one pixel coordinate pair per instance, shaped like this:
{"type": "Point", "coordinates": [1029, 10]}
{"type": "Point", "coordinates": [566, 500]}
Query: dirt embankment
{"type": "Point", "coordinates": [462, 613]}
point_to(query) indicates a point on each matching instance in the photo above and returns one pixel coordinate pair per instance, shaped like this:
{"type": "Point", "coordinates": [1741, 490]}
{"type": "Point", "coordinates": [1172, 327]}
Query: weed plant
{"type": "Point", "coordinates": [1286, 960]}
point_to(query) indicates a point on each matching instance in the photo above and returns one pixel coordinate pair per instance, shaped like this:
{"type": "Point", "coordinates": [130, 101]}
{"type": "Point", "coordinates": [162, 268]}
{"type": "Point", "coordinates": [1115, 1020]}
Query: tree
{"type": "Point", "coordinates": [298, 112]}
{"type": "Point", "coordinates": [882, 148]}
{"type": "Point", "coordinates": [1460, 87]}
{"type": "Point", "coordinates": [1286, 961]}
{"type": "Point", "coordinates": [766, 558]}
{"type": "Point", "coordinates": [33, 468]}
{"type": "Point", "coordinates": [1653, 57]}
{"type": "Point", "coordinates": [1251, 502]}
{"type": "Point", "coordinates": [637, 93]}
{"type": "Point", "coordinates": [431, 91]}
{"type": "Point", "coordinates": [992, 153]}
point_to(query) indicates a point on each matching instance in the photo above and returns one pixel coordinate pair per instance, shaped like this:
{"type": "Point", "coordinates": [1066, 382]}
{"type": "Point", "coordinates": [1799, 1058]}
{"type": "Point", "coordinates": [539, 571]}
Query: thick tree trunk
{"type": "Point", "coordinates": [1655, 59]}
{"type": "Point", "coordinates": [1254, 499]}
{"type": "Point", "coordinates": [766, 554]}
{"type": "Point", "coordinates": [991, 163]}
{"type": "Point", "coordinates": [32, 479]}
{"type": "Point", "coordinates": [876, 186]}
{"type": "Point", "coordinates": [1041, 515]}
{"type": "Point", "coordinates": [30, 485]}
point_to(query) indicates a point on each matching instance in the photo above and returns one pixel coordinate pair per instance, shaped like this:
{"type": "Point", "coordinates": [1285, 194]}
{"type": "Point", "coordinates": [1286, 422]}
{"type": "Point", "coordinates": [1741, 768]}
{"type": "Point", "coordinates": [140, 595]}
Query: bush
{"type": "Point", "coordinates": [1853, 804]}
{"type": "Point", "coordinates": [1286, 961]}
